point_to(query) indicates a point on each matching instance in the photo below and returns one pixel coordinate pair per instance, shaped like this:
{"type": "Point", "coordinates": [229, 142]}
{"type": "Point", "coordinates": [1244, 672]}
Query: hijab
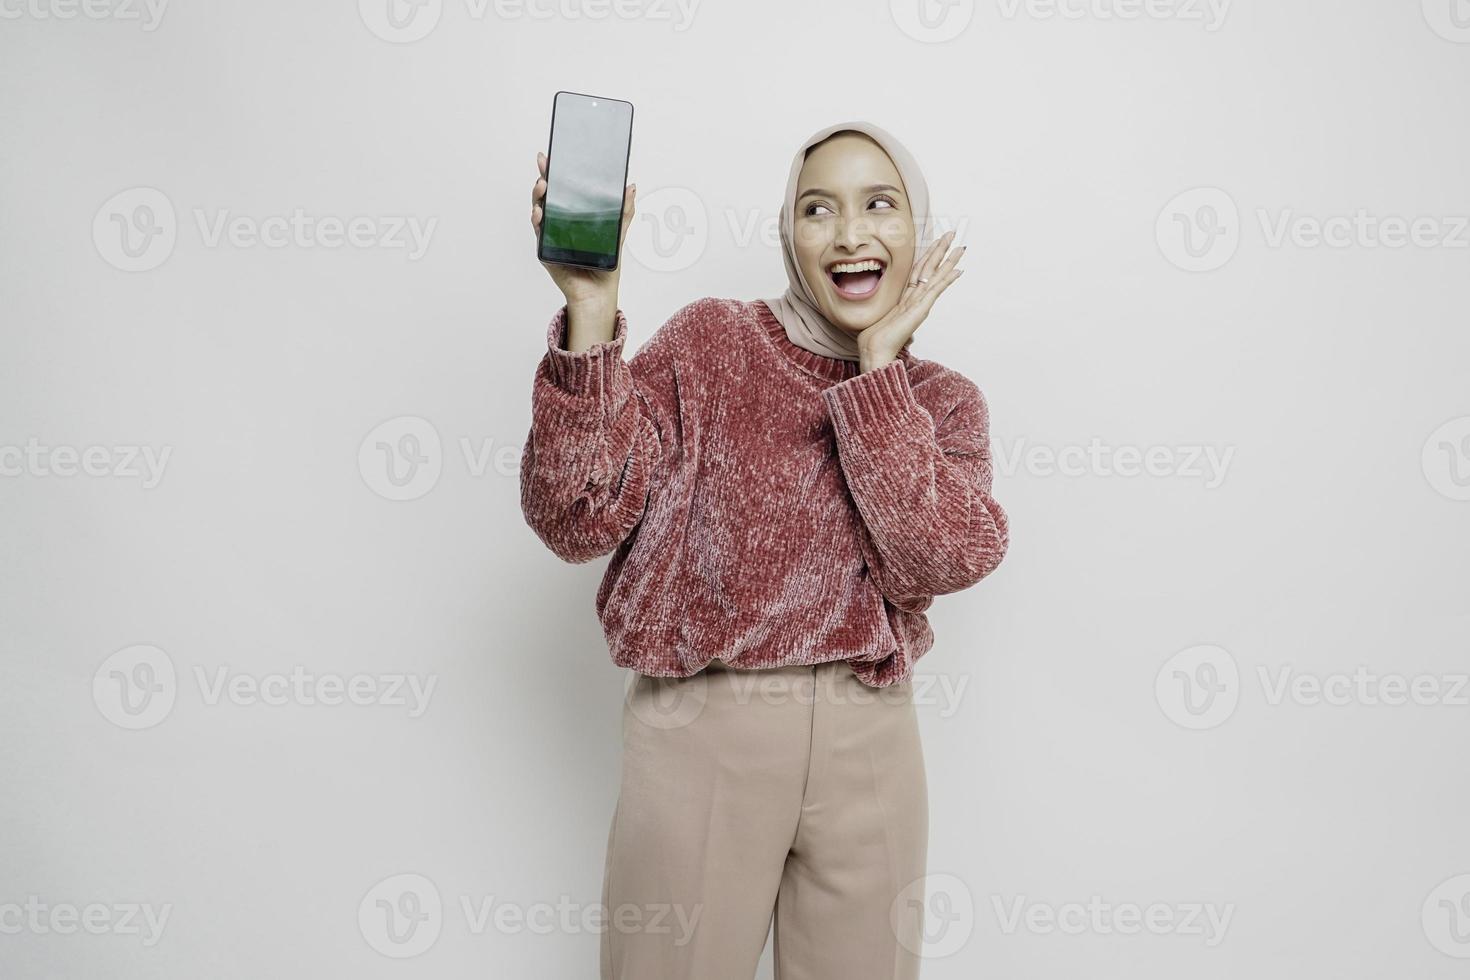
{"type": "Point", "coordinates": [797, 308]}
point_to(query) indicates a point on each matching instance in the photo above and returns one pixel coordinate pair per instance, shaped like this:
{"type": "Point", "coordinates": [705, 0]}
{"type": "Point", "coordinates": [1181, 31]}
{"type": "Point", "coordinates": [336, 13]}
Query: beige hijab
{"type": "Point", "coordinates": [797, 308]}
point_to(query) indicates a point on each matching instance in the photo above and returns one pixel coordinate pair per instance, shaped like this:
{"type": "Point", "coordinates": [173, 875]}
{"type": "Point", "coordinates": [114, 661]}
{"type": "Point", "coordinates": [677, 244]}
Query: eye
{"type": "Point", "coordinates": [887, 201]}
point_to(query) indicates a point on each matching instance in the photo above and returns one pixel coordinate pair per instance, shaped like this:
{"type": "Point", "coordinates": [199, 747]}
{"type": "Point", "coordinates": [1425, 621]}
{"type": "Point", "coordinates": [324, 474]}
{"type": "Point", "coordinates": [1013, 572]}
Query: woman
{"type": "Point", "coordinates": [786, 488]}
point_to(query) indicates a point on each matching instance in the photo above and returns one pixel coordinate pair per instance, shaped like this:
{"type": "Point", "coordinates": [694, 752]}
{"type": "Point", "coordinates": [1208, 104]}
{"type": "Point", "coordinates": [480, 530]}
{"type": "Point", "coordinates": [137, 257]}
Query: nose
{"type": "Point", "coordinates": [852, 232]}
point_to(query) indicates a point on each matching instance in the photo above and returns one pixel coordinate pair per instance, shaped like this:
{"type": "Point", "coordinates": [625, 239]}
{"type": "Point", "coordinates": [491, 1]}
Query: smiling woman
{"type": "Point", "coordinates": [786, 488]}
{"type": "Point", "coordinates": [829, 225]}
{"type": "Point", "coordinates": [855, 216]}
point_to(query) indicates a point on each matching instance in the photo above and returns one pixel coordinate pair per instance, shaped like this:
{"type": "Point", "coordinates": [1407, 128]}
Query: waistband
{"type": "Point", "coordinates": [717, 665]}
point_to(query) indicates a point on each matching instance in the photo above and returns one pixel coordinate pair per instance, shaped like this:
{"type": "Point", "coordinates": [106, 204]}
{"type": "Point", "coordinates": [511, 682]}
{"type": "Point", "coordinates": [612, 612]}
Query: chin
{"type": "Point", "coordinates": [852, 317]}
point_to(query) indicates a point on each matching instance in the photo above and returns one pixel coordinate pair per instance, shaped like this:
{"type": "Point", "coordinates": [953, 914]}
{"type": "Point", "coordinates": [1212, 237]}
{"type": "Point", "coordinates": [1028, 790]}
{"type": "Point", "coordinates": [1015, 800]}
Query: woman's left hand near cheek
{"type": "Point", "coordinates": [880, 343]}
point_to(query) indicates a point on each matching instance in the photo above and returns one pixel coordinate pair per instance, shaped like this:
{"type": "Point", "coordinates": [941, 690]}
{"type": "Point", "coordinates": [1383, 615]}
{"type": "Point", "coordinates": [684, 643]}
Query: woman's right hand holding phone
{"type": "Point", "coordinates": [591, 294]}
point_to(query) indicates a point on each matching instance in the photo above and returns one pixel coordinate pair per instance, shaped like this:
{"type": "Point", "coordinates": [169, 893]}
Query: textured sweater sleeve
{"type": "Point", "coordinates": [599, 428]}
{"type": "Point", "coordinates": [921, 487]}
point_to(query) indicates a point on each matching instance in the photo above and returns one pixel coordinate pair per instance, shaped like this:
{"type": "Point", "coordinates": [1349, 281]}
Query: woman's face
{"type": "Point", "coordinates": [851, 207]}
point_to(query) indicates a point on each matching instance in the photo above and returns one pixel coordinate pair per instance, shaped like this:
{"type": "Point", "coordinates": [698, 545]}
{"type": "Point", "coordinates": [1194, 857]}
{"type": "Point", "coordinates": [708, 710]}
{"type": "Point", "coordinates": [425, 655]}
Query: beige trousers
{"type": "Point", "coordinates": [796, 794]}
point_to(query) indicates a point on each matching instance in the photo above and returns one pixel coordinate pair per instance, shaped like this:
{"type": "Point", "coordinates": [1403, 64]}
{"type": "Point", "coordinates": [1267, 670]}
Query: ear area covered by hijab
{"type": "Point", "coordinates": [797, 308]}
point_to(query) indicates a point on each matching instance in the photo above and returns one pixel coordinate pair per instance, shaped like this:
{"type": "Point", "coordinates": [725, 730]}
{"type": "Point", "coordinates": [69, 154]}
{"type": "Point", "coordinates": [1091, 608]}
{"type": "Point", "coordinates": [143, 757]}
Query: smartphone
{"type": "Point", "coordinates": [586, 173]}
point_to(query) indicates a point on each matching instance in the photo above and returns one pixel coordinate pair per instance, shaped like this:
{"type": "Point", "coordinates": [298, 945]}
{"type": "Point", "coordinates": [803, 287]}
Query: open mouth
{"type": "Point", "coordinates": [856, 280]}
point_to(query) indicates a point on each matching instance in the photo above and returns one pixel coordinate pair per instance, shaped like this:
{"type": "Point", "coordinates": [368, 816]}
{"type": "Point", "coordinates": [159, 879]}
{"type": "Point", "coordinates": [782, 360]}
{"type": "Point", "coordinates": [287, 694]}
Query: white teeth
{"type": "Point", "coordinates": [868, 265]}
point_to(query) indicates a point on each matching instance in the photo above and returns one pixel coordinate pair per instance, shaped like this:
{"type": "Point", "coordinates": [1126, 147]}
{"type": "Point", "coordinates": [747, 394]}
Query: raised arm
{"type": "Point", "coordinates": [586, 466]}
{"type": "Point", "coordinates": [600, 428]}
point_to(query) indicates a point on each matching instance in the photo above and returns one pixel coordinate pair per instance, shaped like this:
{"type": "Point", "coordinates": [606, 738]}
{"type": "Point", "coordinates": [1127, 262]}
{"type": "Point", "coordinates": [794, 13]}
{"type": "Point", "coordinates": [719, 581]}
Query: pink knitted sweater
{"type": "Point", "coordinates": [766, 505]}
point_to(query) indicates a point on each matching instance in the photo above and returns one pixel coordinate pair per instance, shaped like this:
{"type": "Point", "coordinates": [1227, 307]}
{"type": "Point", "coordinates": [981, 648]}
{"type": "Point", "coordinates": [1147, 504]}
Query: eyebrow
{"type": "Point", "coordinates": [871, 188]}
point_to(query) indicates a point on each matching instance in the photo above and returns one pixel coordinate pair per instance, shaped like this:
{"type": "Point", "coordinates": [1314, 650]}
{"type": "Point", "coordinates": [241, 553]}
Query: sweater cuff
{"type": "Point", "coordinates": [881, 396]}
{"type": "Point", "coordinates": [591, 370]}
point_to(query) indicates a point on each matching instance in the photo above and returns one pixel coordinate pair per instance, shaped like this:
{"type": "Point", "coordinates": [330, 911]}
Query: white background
{"type": "Point", "coordinates": [1333, 542]}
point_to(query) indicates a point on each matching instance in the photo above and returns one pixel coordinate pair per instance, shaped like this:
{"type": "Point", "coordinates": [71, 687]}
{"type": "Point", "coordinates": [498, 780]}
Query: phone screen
{"type": "Point", "coordinates": [586, 172]}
